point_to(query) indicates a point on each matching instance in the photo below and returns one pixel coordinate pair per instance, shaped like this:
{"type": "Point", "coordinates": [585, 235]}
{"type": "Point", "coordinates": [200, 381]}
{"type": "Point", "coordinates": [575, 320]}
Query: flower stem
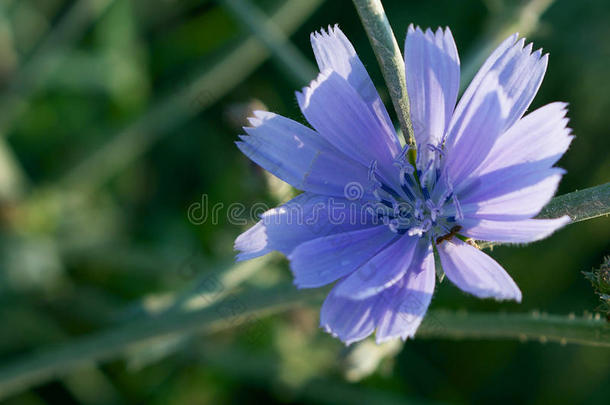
{"type": "Point", "coordinates": [590, 331]}
{"type": "Point", "coordinates": [580, 205]}
{"type": "Point", "coordinates": [38, 367]}
{"type": "Point", "coordinates": [390, 60]}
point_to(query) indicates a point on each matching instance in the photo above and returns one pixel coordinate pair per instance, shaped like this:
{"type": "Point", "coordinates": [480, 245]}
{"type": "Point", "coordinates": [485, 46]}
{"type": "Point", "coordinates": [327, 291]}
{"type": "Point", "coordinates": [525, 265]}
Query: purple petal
{"type": "Point", "coordinates": [475, 272]}
{"type": "Point", "coordinates": [305, 217]}
{"type": "Point", "coordinates": [514, 74]}
{"type": "Point", "coordinates": [383, 270]}
{"type": "Point", "coordinates": [403, 306]}
{"type": "Point", "coordinates": [541, 136]}
{"type": "Point", "coordinates": [433, 80]}
{"type": "Point", "coordinates": [519, 72]}
{"type": "Point", "coordinates": [326, 259]}
{"type": "Point", "coordinates": [478, 127]}
{"type": "Point", "coordinates": [333, 51]}
{"type": "Point", "coordinates": [511, 193]}
{"type": "Point", "coordinates": [396, 312]}
{"type": "Point", "coordinates": [299, 156]}
{"type": "Point", "coordinates": [347, 319]}
{"type": "Point", "coordinates": [340, 115]}
{"type": "Point", "coordinates": [523, 231]}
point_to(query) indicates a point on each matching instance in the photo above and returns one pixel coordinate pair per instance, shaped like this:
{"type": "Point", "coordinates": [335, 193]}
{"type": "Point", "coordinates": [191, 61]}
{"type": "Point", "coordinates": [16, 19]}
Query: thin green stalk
{"type": "Point", "coordinates": [43, 366]}
{"type": "Point", "coordinates": [589, 331]}
{"type": "Point", "coordinates": [390, 60]}
{"type": "Point", "coordinates": [213, 286]}
{"type": "Point", "coordinates": [208, 288]}
{"type": "Point", "coordinates": [127, 146]}
{"type": "Point", "coordinates": [292, 60]}
{"type": "Point", "coordinates": [39, 367]}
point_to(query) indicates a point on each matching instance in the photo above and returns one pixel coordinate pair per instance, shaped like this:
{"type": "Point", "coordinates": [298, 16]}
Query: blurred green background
{"type": "Point", "coordinates": [116, 116]}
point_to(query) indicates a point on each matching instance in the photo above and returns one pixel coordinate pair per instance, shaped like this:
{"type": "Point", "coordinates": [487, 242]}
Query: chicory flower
{"type": "Point", "coordinates": [373, 213]}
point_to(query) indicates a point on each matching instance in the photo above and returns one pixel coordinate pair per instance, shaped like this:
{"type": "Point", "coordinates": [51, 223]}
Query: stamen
{"type": "Point", "coordinates": [403, 209]}
{"type": "Point", "coordinates": [407, 191]}
{"type": "Point", "coordinates": [446, 196]}
{"type": "Point", "coordinates": [458, 208]}
{"type": "Point", "coordinates": [411, 209]}
{"type": "Point", "coordinates": [389, 190]}
{"type": "Point", "coordinates": [402, 156]}
{"type": "Point", "coordinates": [425, 192]}
{"type": "Point", "coordinates": [371, 175]}
{"type": "Point", "coordinates": [437, 149]}
{"type": "Point", "coordinates": [421, 229]}
{"type": "Point", "coordinates": [407, 184]}
{"type": "Point", "coordinates": [418, 212]}
{"type": "Point", "coordinates": [434, 210]}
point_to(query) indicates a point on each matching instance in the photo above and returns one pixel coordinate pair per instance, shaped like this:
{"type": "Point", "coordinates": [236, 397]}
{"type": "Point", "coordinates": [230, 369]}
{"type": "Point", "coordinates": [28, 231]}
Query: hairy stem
{"type": "Point", "coordinates": [580, 205]}
{"type": "Point", "coordinates": [389, 58]}
{"type": "Point", "coordinates": [248, 306]}
{"type": "Point", "coordinates": [590, 331]}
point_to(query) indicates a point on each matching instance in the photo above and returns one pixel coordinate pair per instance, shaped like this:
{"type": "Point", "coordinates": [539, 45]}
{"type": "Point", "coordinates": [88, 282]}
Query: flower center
{"type": "Point", "coordinates": [406, 206]}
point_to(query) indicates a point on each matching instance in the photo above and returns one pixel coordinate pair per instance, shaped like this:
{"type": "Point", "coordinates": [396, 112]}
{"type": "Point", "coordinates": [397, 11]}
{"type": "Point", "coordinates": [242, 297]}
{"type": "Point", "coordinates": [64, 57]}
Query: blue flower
{"type": "Point", "coordinates": [372, 215]}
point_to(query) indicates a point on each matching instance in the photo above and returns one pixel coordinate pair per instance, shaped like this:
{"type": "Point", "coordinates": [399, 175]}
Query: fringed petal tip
{"type": "Point", "coordinates": [330, 31]}
{"type": "Point", "coordinates": [304, 96]}
{"type": "Point", "coordinates": [380, 337]}
{"type": "Point", "coordinates": [258, 117]}
{"type": "Point", "coordinates": [252, 243]}
{"type": "Point", "coordinates": [440, 31]}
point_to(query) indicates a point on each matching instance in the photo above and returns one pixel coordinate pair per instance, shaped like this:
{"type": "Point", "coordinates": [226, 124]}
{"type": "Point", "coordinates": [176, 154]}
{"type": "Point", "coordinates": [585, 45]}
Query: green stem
{"type": "Point", "coordinates": [294, 62]}
{"type": "Point", "coordinates": [553, 328]}
{"type": "Point", "coordinates": [390, 60]}
{"type": "Point", "coordinates": [580, 205]}
{"type": "Point", "coordinates": [39, 367]}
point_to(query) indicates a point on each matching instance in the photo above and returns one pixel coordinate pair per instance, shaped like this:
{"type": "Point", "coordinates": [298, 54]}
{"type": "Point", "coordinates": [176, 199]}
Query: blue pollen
{"type": "Point", "coordinates": [426, 193]}
{"type": "Point", "coordinates": [410, 208]}
{"type": "Point", "coordinates": [408, 192]}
